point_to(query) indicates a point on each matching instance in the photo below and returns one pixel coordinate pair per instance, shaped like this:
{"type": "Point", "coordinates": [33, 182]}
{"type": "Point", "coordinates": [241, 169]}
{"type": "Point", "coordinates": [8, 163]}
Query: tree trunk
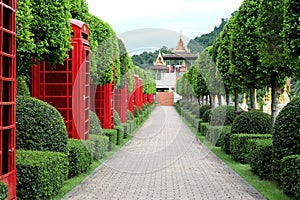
{"type": "Point", "coordinates": [236, 99]}
{"type": "Point", "coordinates": [273, 96]}
{"type": "Point", "coordinates": [220, 99]}
{"type": "Point", "coordinates": [252, 96]}
{"type": "Point", "coordinates": [227, 96]}
{"type": "Point", "coordinates": [211, 101]}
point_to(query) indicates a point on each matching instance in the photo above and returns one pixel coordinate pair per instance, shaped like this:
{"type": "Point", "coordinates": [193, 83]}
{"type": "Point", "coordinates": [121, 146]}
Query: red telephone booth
{"type": "Point", "coordinates": [67, 87]}
{"type": "Point", "coordinates": [120, 102]}
{"type": "Point", "coordinates": [102, 104]}
{"type": "Point", "coordinates": [8, 95]}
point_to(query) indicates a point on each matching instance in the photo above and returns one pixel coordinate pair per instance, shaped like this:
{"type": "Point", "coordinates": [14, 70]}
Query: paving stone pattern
{"type": "Point", "coordinates": [164, 160]}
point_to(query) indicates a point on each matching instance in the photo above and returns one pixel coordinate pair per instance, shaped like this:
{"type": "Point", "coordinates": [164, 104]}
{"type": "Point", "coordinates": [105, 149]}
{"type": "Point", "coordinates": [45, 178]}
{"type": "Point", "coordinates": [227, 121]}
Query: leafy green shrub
{"type": "Point", "coordinates": [239, 147]}
{"type": "Point", "coordinates": [196, 123]}
{"type": "Point", "coordinates": [126, 128]}
{"type": "Point", "coordinates": [222, 115]}
{"type": "Point", "coordinates": [252, 122]}
{"type": "Point", "coordinates": [120, 134]}
{"type": "Point", "coordinates": [136, 111]}
{"type": "Point", "coordinates": [112, 136]}
{"type": "Point", "coordinates": [3, 191]}
{"type": "Point", "coordinates": [117, 119]}
{"type": "Point", "coordinates": [286, 136]}
{"type": "Point", "coordinates": [39, 126]}
{"type": "Point", "coordinates": [214, 133]}
{"type": "Point", "coordinates": [260, 157]}
{"type": "Point", "coordinates": [22, 87]}
{"type": "Point", "coordinates": [203, 109]}
{"type": "Point", "coordinates": [290, 175]}
{"type": "Point", "coordinates": [206, 116]}
{"type": "Point", "coordinates": [203, 128]}
{"type": "Point", "coordinates": [80, 158]}
{"type": "Point", "coordinates": [95, 126]}
{"type": "Point", "coordinates": [40, 173]}
{"type": "Point", "coordinates": [100, 145]}
{"type": "Point", "coordinates": [195, 110]}
{"type": "Point", "coordinates": [186, 105]}
{"type": "Point", "coordinates": [129, 115]}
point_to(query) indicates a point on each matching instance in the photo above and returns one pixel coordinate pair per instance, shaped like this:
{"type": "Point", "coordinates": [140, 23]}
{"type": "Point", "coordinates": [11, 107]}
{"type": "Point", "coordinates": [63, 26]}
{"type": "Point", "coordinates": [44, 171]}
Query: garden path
{"type": "Point", "coordinates": [164, 160]}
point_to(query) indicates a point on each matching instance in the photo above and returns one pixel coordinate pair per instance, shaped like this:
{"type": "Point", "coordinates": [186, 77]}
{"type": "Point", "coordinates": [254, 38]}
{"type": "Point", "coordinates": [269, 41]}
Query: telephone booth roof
{"type": "Point", "coordinates": [79, 27]}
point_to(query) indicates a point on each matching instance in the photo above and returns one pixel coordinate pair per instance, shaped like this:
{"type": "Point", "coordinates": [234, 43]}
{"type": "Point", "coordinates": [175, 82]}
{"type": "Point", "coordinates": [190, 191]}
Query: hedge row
{"type": "Point", "coordinates": [40, 173]}
{"type": "Point", "coordinates": [239, 147]}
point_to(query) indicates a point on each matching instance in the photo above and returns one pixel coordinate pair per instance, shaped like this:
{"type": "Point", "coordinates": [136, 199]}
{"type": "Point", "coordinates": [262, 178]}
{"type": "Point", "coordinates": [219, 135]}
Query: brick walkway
{"type": "Point", "coordinates": [164, 161]}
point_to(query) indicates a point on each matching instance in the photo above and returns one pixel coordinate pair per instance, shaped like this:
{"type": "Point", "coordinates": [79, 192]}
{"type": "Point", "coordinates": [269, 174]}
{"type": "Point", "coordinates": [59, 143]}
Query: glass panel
{"type": "Point", "coordinates": [7, 43]}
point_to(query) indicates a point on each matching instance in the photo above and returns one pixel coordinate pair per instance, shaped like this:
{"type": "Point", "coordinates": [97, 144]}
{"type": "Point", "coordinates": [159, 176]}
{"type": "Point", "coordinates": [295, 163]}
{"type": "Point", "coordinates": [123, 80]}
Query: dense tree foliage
{"type": "Point", "coordinates": [38, 23]}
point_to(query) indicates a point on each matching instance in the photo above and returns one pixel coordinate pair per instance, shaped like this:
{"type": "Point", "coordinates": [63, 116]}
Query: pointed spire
{"type": "Point", "coordinates": [180, 47]}
{"type": "Point", "coordinates": [159, 60]}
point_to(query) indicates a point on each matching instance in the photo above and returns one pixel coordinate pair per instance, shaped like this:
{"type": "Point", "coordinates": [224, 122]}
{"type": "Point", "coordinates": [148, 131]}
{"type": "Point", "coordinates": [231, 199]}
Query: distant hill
{"type": "Point", "coordinates": [200, 42]}
{"type": "Point", "coordinates": [145, 60]}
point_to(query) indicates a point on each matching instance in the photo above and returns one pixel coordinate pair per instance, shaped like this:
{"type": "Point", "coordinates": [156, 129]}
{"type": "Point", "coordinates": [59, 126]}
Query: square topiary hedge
{"type": "Point", "coordinates": [40, 174]}
{"type": "Point", "coordinates": [80, 158]}
{"type": "Point", "coordinates": [203, 128]}
{"type": "Point", "coordinates": [215, 134]}
{"type": "Point", "coordinates": [112, 136]}
{"type": "Point", "coordinates": [290, 175]}
{"type": "Point", "coordinates": [120, 134]}
{"type": "Point", "coordinates": [239, 147]}
{"type": "Point", "coordinates": [126, 128]}
{"type": "Point", "coordinates": [3, 191]}
{"type": "Point", "coordinates": [99, 145]}
{"type": "Point", "coordinates": [260, 157]}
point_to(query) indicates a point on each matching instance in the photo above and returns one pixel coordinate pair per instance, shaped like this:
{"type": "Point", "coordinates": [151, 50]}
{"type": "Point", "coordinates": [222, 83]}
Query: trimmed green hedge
{"type": "Point", "coordinates": [112, 136]}
{"type": "Point", "coordinates": [215, 133]}
{"type": "Point", "coordinates": [22, 87]}
{"type": "Point", "coordinates": [222, 115]}
{"type": "Point", "coordinates": [252, 122]}
{"type": "Point", "coordinates": [203, 128]}
{"type": "Point", "coordinates": [207, 115]}
{"type": "Point", "coordinates": [3, 191]}
{"type": "Point", "coordinates": [95, 126]}
{"type": "Point", "coordinates": [290, 175]}
{"type": "Point", "coordinates": [120, 134]}
{"type": "Point", "coordinates": [260, 157]}
{"type": "Point", "coordinates": [40, 173]}
{"type": "Point", "coordinates": [126, 128]}
{"type": "Point", "coordinates": [39, 126]}
{"type": "Point", "coordinates": [117, 120]}
{"type": "Point", "coordinates": [99, 146]}
{"type": "Point", "coordinates": [286, 136]}
{"type": "Point", "coordinates": [80, 158]}
{"type": "Point", "coordinates": [203, 109]}
{"type": "Point", "coordinates": [239, 147]}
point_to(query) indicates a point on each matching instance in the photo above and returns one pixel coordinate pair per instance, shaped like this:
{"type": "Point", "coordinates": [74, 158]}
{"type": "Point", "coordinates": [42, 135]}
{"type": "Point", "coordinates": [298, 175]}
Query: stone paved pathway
{"type": "Point", "coordinates": [164, 160]}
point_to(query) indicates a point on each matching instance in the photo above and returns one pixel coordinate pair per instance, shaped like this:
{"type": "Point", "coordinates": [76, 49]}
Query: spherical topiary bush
{"type": "Point", "coordinates": [39, 126]}
{"type": "Point", "coordinates": [286, 135]}
{"type": "Point", "coordinates": [222, 115]}
{"type": "Point", "coordinates": [95, 126]}
{"type": "Point", "coordinates": [252, 122]}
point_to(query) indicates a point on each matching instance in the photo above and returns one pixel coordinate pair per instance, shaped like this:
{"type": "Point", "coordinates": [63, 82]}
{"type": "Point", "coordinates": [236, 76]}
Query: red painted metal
{"type": "Point", "coordinates": [131, 102]}
{"type": "Point", "coordinates": [150, 98]}
{"type": "Point", "coordinates": [67, 87]}
{"type": "Point", "coordinates": [145, 98]}
{"type": "Point", "coordinates": [8, 95]}
{"type": "Point", "coordinates": [102, 105]}
{"type": "Point", "coordinates": [120, 102]}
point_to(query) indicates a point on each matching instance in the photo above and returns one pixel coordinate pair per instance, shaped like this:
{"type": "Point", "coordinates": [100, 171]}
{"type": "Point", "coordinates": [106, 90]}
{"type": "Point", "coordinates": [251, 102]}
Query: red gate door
{"type": "Point", "coordinates": [8, 95]}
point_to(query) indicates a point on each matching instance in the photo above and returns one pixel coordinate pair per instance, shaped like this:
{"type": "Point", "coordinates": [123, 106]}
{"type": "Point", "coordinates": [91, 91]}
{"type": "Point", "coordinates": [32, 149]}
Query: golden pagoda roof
{"type": "Point", "coordinates": [180, 47]}
{"type": "Point", "coordinates": [159, 63]}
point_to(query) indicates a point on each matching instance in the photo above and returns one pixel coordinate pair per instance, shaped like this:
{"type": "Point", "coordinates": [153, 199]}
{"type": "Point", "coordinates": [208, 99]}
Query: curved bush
{"type": "Point", "coordinates": [136, 111]}
{"type": "Point", "coordinates": [95, 126]}
{"type": "Point", "coordinates": [286, 136]}
{"type": "Point", "coordinates": [22, 87]}
{"type": "Point", "coordinates": [222, 115]}
{"type": "Point", "coordinates": [39, 126]}
{"type": "Point", "coordinates": [117, 120]}
{"type": "Point", "coordinates": [129, 115]}
{"type": "Point", "coordinates": [252, 122]}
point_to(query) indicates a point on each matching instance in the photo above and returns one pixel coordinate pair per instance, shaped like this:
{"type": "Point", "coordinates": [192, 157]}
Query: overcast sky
{"type": "Point", "coordinates": [190, 17]}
